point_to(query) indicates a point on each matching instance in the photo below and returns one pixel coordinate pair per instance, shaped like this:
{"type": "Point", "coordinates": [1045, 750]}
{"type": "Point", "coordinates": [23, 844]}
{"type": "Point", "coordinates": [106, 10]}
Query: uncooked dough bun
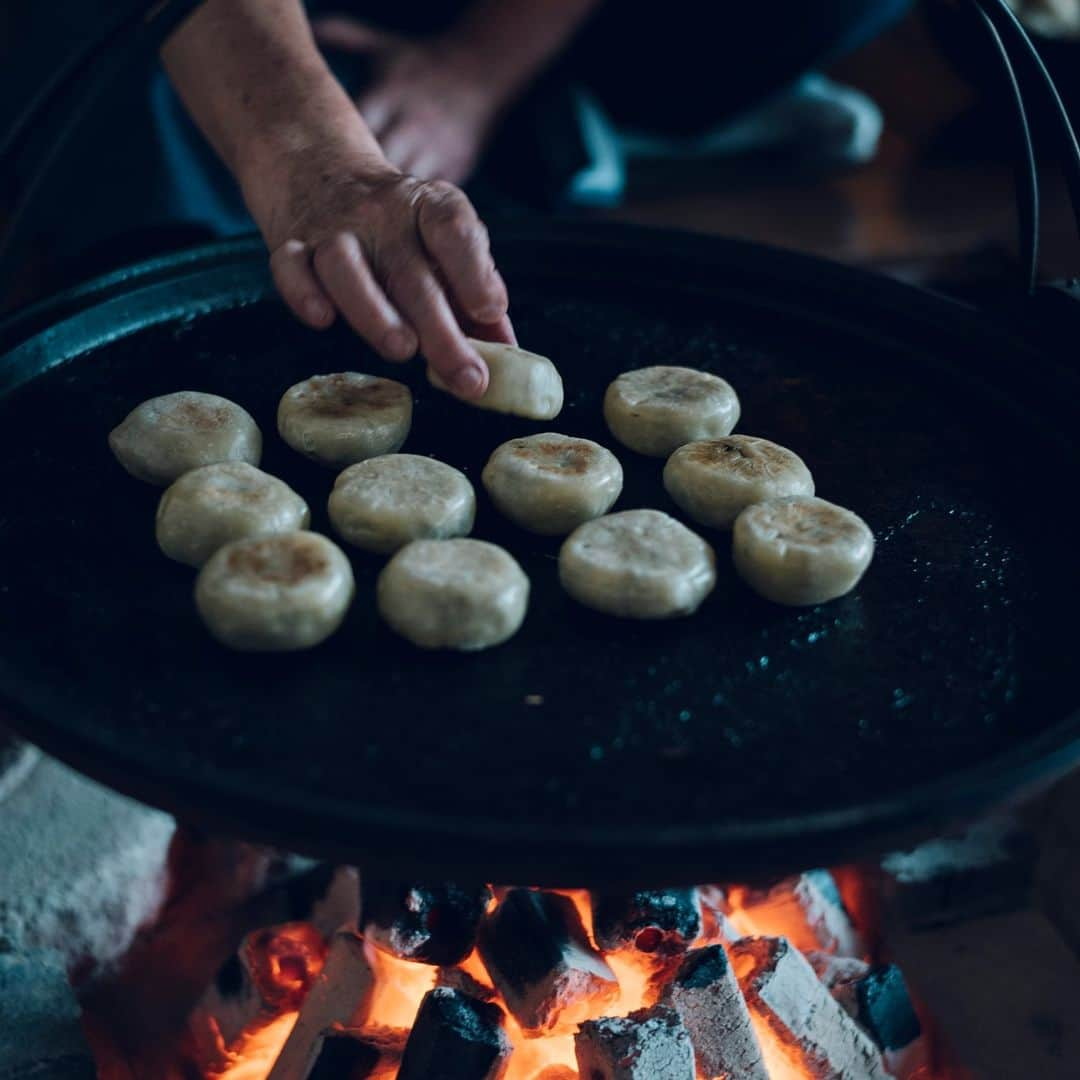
{"type": "Point", "coordinates": [801, 550]}
{"type": "Point", "coordinates": [453, 594]}
{"type": "Point", "coordinates": [638, 564]}
{"type": "Point", "coordinates": [655, 410]}
{"type": "Point", "coordinates": [551, 484]}
{"type": "Point", "coordinates": [716, 479]}
{"type": "Point", "coordinates": [167, 436]}
{"type": "Point", "coordinates": [344, 418]}
{"type": "Point", "coordinates": [212, 506]}
{"type": "Point", "coordinates": [521, 383]}
{"type": "Point", "coordinates": [275, 593]}
{"type": "Point", "coordinates": [382, 504]}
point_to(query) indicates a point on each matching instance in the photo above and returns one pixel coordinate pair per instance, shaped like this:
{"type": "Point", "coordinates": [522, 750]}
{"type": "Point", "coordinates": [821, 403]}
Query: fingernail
{"type": "Point", "coordinates": [468, 381]}
{"type": "Point", "coordinates": [316, 310]}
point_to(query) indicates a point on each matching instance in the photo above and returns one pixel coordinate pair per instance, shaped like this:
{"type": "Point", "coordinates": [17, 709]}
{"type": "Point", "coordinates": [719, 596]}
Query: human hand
{"type": "Point", "coordinates": [432, 103]}
{"type": "Point", "coordinates": [406, 262]}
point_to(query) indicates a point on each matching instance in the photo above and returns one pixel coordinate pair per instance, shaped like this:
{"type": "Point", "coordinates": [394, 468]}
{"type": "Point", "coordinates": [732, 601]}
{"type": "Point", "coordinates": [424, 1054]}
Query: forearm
{"type": "Point", "coordinates": [253, 80]}
{"type": "Point", "coordinates": [516, 39]}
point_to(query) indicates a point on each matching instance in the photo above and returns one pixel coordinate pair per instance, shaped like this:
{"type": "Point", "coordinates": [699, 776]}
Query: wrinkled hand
{"type": "Point", "coordinates": [429, 105]}
{"type": "Point", "coordinates": [406, 262]}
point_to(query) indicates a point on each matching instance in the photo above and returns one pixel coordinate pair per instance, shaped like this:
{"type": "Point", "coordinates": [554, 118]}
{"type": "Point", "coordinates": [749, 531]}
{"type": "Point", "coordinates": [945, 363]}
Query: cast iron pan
{"type": "Point", "coordinates": [749, 739]}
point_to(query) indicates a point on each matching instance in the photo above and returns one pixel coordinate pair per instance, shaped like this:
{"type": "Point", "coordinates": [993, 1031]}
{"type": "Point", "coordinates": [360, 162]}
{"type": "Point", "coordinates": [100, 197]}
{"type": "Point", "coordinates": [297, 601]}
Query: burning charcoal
{"type": "Point", "coordinates": [455, 1037]}
{"type": "Point", "coordinates": [716, 926]}
{"type": "Point", "coordinates": [435, 925]}
{"type": "Point", "coordinates": [807, 910]}
{"type": "Point", "coordinates": [328, 897]}
{"type": "Point", "coordinates": [282, 963]}
{"type": "Point", "coordinates": [664, 921]}
{"type": "Point", "coordinates": [706, 995]}
{"type": "Point", "coordinates": [269, 974]}
{"type": "Point", "coordinates": [460, 979]}
{"type": "Point", "coordinates": [795, 1016]}
{"type": "Point", "coordinates": [650, 1044]}
{"type": "Point", "coordinates": [556, 1072]}
{"type": "Point", "coordinates": [878, 998]}
{"type": "Point", "coordinates": [536, 952]}
{"type": "Point", "coordinates": [352, 1056]}
{"type": "Point", "coordinates": [339, 997]}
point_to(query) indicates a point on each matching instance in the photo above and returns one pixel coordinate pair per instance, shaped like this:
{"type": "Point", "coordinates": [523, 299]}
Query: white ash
{"type": "Point", "coordinates": [650, 1044]}
{"type": "Point", "coordinates": [39, 1019]}
{"type": "Point", "coordinates": [459, 979]}
{"type": "Point", "coordinates": [840, 975]}
{"type": "Point", "coordinates": [84, 868]}
{"type": "Point", "coordinates": [811, 1029]}
{"type": "Point", "coordinates": [806, 910]}
{"type": "Point", "coordinates": [339, 997]}
{"type": "Point", "coordinates": [716, 926]}
{"type": "Point", "coordinates": [706, 995]}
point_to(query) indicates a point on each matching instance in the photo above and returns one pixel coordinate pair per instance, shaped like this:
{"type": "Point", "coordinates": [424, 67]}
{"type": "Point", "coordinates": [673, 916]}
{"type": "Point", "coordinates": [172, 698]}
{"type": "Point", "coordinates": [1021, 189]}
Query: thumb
{"type": "Point", "coordinates": [348, 35]}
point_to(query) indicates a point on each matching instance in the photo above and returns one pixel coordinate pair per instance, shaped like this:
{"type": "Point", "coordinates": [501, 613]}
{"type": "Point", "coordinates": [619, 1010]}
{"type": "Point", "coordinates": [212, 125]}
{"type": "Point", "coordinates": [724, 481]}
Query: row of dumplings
{"type": "Point", "coordinates": [266, 583]}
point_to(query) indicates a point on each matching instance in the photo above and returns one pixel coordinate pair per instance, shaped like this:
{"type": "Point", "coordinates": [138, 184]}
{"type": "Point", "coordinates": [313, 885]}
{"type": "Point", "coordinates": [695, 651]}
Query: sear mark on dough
{"type": "Point", "coordinates": [561, 456]}
{"type": "Point", "coordinates": [277, 563]}
{"type": "Point", "coordinates": [339, 395]}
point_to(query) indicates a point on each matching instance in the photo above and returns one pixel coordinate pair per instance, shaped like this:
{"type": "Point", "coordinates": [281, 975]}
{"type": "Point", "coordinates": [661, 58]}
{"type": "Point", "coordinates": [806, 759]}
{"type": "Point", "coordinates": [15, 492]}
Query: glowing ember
{"type": "Point", "coordinates": [283, 961]}
{"type": "Point", "coordinates": [400, 985]}
{"type": "Point", "coordinates": [254, 1055]}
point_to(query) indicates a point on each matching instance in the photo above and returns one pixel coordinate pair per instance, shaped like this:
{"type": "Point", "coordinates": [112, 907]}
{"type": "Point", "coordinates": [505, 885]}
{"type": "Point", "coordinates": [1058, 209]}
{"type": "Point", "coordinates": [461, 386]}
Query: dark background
{"type": "Point", "coordinates": [935, 205]}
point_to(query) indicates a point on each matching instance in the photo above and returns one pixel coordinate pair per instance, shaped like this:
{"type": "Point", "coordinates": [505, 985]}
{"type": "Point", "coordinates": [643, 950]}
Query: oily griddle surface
{"type": "Point", "coordinates": [953, 650]}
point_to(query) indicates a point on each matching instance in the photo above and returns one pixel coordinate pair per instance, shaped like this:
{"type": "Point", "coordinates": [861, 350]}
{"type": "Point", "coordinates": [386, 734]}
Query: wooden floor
{"type": "Point", "coordinates": [936, 204]}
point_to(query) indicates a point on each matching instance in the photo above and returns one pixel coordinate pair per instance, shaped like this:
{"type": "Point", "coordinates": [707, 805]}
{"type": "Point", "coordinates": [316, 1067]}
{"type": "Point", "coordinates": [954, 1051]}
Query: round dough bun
{"type": "Point", "coordinates": [801, 550]}
{"type": "Point", "coordinates": [551, 484]}
{"type": "Point", "coordinates": [716, 479]}
{"type": "Point", "coordinates": [638, 564]}
{"type": "Point", "coordinates": [655, 410]}
{"type": "Point", "coordinates": [521, 383]}
{"type": "Point", "coordinates": [344, 418]}
{"type": "Point", "coordinates": [212, 506]}
{"type": "Point", "coordinates": [453, 594]}
{"type": "Point", "coordinates": [275, 593]}
{"type": "Point", "coordinates": [167, 436]}
{"type": "Point", "coordinates": [385, 503]}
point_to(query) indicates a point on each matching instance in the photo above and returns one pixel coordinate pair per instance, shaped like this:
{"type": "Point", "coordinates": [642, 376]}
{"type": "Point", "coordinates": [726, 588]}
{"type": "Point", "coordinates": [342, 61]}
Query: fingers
{"type": "Point", "coordinates": [348, 35]}
{"type": "Point", "coordinates": [457, 241]}
{"type": "Point", "coordinates": [299, 288]}
{"type": "Point", "coordinates": [413, 286]}
{"type": "Point", "coordinates": [347, 278]}
{"type": "Point", "coordinates": [501, 331]}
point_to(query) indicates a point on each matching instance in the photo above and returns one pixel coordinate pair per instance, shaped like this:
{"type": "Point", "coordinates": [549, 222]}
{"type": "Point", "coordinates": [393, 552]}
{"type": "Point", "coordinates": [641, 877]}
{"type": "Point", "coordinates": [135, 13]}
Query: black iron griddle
{"type": "Point", "coordinates": [747, 739]}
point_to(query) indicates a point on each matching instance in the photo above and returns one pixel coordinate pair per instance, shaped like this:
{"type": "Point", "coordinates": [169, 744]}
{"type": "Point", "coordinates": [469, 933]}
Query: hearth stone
{"type": "Point", "coordinates": [40, 1034]}
{"type": "Point", "coordinates": [17, 761]}
{"type": "Point", "coordinates": [82, 868]}
{"type": "Point", "coordinates": [984, 870]}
